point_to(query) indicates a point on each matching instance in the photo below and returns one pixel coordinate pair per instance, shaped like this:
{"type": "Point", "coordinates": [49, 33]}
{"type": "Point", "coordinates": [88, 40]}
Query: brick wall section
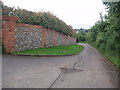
{"type": "Point", "coordinates": [44, 38]}
{"type": "Point", "coordinates": [54, 38]}
{"type": "Point", "coordinates": [19, 37]}
{"type": "Point", "coordinates": [8, 33]}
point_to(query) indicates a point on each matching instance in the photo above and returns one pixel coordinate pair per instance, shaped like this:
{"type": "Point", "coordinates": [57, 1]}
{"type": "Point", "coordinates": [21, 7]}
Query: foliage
{"type": "Point", "coordinates": [105, 34]}
{"type": "Point", "coordinates": [81, 34]}
{"type": "Point", "coordinates": [83, 42]}
{"type": "Point", "coordinates": [45, 19]}
{"type": "Point", "coordinates": [58, 50]}
{"type": "Point", "coordinates": [0, 27]}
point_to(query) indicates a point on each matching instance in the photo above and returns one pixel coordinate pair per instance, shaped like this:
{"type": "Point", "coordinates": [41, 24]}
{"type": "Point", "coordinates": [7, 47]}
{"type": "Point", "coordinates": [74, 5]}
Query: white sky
{"type": "Point", "coordinates": [77, 13]}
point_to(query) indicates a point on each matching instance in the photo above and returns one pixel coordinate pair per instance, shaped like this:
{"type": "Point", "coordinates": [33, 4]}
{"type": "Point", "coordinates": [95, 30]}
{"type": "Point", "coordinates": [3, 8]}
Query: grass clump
{"type": "Point", "coordinates": [110, 55]}
{"type": "Point", "coordinates": [58, 50]}
{"type": "Point", "coordinates": [113, 58]}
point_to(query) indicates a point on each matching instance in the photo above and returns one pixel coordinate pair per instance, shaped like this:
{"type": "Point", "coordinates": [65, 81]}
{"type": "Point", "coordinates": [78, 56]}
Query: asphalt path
{"type": "Point", "coordinates": [86, 70]}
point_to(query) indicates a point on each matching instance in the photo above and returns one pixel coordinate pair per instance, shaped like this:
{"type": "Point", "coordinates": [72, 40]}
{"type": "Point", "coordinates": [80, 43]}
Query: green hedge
{"type": "Point", "coordinates": [105, 34]}
{"type": "Point", "coordinates": [45, 19]}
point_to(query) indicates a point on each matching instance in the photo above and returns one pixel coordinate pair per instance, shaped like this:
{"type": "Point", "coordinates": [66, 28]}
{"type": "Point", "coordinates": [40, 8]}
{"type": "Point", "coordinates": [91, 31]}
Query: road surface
{"type": "Point", "coordinates": [85, 70]}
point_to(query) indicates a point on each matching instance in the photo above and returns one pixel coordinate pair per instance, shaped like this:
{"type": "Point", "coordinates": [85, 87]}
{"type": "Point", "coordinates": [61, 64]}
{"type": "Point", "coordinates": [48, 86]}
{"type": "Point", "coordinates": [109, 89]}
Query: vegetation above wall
{"type": "Point", "coordinates": [45, 19]}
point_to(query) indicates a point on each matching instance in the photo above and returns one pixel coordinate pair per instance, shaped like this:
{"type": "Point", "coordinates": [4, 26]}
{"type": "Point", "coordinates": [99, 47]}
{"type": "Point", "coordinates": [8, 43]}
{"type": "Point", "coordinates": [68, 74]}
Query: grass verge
{"type": "Point", "coordinates": [114, 58]}
{"type": "Point", "coordinates": [58, 50]}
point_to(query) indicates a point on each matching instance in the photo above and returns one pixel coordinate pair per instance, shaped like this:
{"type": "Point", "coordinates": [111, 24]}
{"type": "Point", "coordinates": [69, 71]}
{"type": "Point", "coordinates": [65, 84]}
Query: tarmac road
{"type": "Point", "coordinates": [85, 70]}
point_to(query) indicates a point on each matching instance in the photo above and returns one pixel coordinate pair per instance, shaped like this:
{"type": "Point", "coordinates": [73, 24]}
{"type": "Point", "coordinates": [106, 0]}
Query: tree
{"type": "Point", "coordinates": [105, 34]}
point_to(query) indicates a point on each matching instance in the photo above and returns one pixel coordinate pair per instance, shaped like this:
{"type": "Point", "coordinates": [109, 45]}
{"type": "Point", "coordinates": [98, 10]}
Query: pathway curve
{"type": "Point", "coordinates": [85, 70]}
{"type": "Point", "coordinates": [90, 71]}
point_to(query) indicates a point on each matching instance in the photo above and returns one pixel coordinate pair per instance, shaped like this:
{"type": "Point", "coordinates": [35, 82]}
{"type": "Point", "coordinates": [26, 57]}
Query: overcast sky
{"type": "Point", "coordinates": [77, 13]}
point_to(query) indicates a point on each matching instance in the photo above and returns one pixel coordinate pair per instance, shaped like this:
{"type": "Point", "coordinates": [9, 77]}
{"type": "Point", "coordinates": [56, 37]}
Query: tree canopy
{"type": "Point", "coordinates": [105, 34]}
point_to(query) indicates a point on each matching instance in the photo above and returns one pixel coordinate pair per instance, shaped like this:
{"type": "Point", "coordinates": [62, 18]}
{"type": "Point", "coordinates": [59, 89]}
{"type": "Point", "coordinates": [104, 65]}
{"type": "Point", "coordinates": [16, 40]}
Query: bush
{"type": "Point", "coordinates": [45, 19]}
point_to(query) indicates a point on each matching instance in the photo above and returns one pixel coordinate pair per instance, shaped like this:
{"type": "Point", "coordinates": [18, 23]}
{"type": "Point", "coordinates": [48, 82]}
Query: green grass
{"type": "Point", "coordinates": [58, 50]}
{"type": "Point", "coordinates": [110, 55]}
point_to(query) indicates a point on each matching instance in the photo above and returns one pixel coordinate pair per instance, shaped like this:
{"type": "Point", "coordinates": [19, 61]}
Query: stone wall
{"type": "Point", "coordinates": [49, 38]}
{"type": "Point", "coordinates": [28, 37]}
{"type": "Point", "coordinates": [19, 37]}
{"type": "Point", "coordinates": [60, 39]}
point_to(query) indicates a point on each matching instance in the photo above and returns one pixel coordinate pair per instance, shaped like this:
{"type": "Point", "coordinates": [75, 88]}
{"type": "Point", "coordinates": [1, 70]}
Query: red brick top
{"type": "Point", "coordinates": [29, 25]}
{"type": "Point", "coordinates": [10, 18]}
